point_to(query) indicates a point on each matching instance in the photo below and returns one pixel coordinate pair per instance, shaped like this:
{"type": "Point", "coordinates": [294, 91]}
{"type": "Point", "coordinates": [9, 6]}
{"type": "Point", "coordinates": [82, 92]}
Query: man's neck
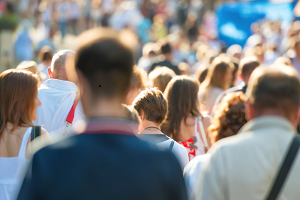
{"type": "Point", "coordinates": [149, 127]}
{"type": "Point", "coordinates": [103, 109]}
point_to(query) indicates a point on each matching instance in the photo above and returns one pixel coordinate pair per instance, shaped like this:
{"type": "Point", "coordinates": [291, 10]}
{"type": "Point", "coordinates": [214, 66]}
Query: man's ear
{"type": "Point", "coordinates": [142, 115]}
{"type": "Point", "coordinates": [81, 82]}
{"type": "Point", "coordinates": [50, 73]}
{"type": "Point", "coordinates": [248, 110]}
{"type": "Point", "coordinates": [297, 116]}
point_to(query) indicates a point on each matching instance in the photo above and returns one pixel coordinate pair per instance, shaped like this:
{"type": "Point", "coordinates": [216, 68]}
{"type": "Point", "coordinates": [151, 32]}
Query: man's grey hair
{"type": "Point", "coordinates": [59, 59]}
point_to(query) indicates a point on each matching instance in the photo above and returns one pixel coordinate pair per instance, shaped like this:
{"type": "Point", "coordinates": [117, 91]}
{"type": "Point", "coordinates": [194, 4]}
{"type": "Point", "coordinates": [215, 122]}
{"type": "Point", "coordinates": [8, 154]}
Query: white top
{"type": "Point", "coordinates": [43, 70]}
{"type": "Point", "coordinates": [192, 171]}
{"type": "Point", "coordinates": [178, 150]}
{"type": "Point", "coordinates": [57, 98]}
{"type": "Point", "coordinates": [12, 171]}
{"type": "Point", "coordinates": [244, 166]}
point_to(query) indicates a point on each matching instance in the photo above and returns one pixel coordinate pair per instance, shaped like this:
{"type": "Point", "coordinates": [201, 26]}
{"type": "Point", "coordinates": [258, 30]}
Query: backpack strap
{"type": "Point", "coordinates": [171, 145]}
{"type": "Point", "coordinates": [35, 132]}
{"type": "Point", "coordinates": [285, 168]}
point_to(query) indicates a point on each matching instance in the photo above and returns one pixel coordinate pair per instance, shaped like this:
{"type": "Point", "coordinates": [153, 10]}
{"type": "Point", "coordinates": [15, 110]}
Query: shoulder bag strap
{"type": "Point", "coordinates": [285, 168]}
{"type": "Point", "coordinates": [171, 145]}
{"type": "Point", "coordinates": [35, 132]}
{"type": "Point", "coordinates": [202, 132]}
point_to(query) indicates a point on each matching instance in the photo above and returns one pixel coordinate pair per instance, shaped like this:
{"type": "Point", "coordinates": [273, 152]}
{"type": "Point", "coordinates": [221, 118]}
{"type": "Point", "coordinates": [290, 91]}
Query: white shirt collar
{"type": "Point", "coordinates": [60, 83]}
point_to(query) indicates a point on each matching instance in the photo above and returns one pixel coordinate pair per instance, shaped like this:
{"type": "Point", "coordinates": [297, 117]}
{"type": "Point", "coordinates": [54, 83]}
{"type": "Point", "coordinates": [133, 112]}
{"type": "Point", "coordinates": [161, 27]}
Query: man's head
{"type": "Point", "coordinates": [274, 91]}
{"type": "Point", "coordinates": [151, 105]}
{"type": "Point", "coordinates": [58, 65]}
{"type": "Point", "coordinates": [247, 66]}
{"type": "Point", "coordinates": [160, 77]}
{"type": "Point", "coordinates": [104, 65]}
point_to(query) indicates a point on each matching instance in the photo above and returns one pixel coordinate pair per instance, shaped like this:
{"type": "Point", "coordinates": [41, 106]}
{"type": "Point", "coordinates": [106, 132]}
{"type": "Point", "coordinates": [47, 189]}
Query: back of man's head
{"type": "Point", "coordinates": [105, 63]}
{"type": "Point", "coordinates": [247, 66]}
{"type": "Point", "coordinates": [166, 48]}
{"type": "Point", "coordinates": [58, 65]}
{"type": "Point", "coordinates": [274, 90]}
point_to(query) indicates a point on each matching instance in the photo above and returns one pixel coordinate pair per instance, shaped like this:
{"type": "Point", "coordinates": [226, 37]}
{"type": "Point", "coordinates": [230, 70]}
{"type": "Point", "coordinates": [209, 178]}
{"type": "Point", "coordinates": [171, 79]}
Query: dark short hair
{"type": "Point", "coordinates": [166, 48]}
{"type": "Point", "coordinates": [274, 88]}
{"type": "Point", "coordinates": [153, 103]}
{"type": "Point", "coordinates": [247, 65]}
{"type": "Point", "coordinates": [46, 53]}
{"type": "Point", "coordinates": [106, 63]}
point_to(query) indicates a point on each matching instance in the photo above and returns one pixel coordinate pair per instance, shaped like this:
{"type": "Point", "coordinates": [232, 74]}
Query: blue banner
{"type": "Point", "coordinates": [235, 18]}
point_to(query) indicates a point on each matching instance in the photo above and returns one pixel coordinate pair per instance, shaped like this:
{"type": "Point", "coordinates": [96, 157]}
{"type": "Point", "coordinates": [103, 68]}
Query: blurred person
{"type": "Point", "coordinates": [283, 60]}
{"type": "Point", "coordinates": [234, 51]}
{"type": "Point", "coordinates": [131, 114]}
{"type": "Point", "coordinates": [200, 55]}
{"type": "Point", "coordinates": [228, 120]}
{"type": "Point", "coordinates": [159, 29]}
{"type": "Point", "coordinates": [23, 44]}
{"type": "Point", "coordinates": [47, 41]}
{"type": "Point", "coordinates": [296, 59]}
{"type": "Point", "coordinates": [272, 109]}
{"type": "Point", "coordinates": [9, 19]}
{"type": "Point", "coordinates": [143, 30]}
{"type": "Point", "coordinates": [62, 8]}
{"type": "Point", "coordinates": [152, 108]}
{"type": "Point", "coordinates": [201, 74]}
{"type": "Point", "coordinates": [271, 53]}
{"type": "Point", "coordinates": [184, 68]}
{"type": "Point", "coordinates": [59, 97]}
{"type": "Point", "coordinates": [218, 79]}
{"type": "Point", "coordinates": [29, 66]}
{"type": "Point", "coordinates": [74, 15]}
{"type": "Point", "coordinates": [166, 51]}
{"type": "Point", "coordinates": [45, 57]}
{"type": "Point", "coordinates": [117, 173]}
{"type": "Point", "coordinates": [184, 122]}
{"type": "Point", "coordinates": [138, 83]}
{"type": "Point", "coordinates": [18, 102]}
{"type": "Point", "coordinates": [160, 77]}
{"type": "Point", "coordinates": [87, 13]}
{"type": "Point", "coordinates": [96, 13]}
{"type": "Point", "coordinates": [235, 63]}
{"type": "Point", "coordinates": [246, 67]}
{"type": "Point", "coordinates": [149, 54]}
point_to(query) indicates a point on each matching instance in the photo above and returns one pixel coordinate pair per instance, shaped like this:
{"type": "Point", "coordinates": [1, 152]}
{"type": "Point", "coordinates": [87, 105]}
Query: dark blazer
{"type": "Point", "coordinates": [103, 164]}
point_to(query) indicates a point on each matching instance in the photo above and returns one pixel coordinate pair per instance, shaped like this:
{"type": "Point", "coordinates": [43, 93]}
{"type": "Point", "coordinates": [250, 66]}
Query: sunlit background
{"type": "Point", "coordinates": [192, 27]}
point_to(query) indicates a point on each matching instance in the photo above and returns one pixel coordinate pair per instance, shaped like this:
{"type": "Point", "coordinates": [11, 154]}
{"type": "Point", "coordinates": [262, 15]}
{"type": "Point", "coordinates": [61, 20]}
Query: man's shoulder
{"type": "Point", "coordinates": [232, 143]}
{"type": "Point", "coordinates": [88, 141]}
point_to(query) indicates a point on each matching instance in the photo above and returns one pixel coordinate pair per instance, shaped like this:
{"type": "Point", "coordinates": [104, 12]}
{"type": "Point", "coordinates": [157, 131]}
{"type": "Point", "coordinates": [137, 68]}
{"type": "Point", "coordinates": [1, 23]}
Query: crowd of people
{"type": "Point", "coordinates": [156, 109]}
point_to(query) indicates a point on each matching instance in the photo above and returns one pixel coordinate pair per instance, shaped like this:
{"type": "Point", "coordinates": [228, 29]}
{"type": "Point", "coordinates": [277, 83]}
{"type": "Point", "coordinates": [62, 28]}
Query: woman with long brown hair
{"type": "Point", "coordinates": [218, 79]}
{"type": "Point", "coordinates": [184, 122]}
{"type": "Point", "coordinates": [228, 119]}
{"type": "Point", "coordinates": [18, 104]}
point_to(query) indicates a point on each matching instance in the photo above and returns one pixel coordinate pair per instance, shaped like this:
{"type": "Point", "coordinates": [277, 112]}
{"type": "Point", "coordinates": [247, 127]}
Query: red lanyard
{"type": "Point", "coordinates": [71, 114]}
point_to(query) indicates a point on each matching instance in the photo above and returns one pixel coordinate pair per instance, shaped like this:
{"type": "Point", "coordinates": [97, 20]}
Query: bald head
{"type": "Point", "coordinates": [274, 90]}
{"type": "Point", "coordinates": [58, 70]}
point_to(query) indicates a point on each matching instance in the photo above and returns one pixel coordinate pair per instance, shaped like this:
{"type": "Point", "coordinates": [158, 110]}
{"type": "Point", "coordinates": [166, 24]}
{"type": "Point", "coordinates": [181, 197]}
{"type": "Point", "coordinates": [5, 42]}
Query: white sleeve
{"type": "Point", "coordinates": [211, 183]}
{"type": "Point", "coordinates": [192, 171]}
{"type": "Point", "coordinates": [181, 154]}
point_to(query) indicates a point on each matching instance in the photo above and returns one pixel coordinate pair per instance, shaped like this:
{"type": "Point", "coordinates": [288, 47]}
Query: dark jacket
{"type": "Point", "coordinates": [103, 164]}
{"type": "Point", "coordinates": [165, 64]}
